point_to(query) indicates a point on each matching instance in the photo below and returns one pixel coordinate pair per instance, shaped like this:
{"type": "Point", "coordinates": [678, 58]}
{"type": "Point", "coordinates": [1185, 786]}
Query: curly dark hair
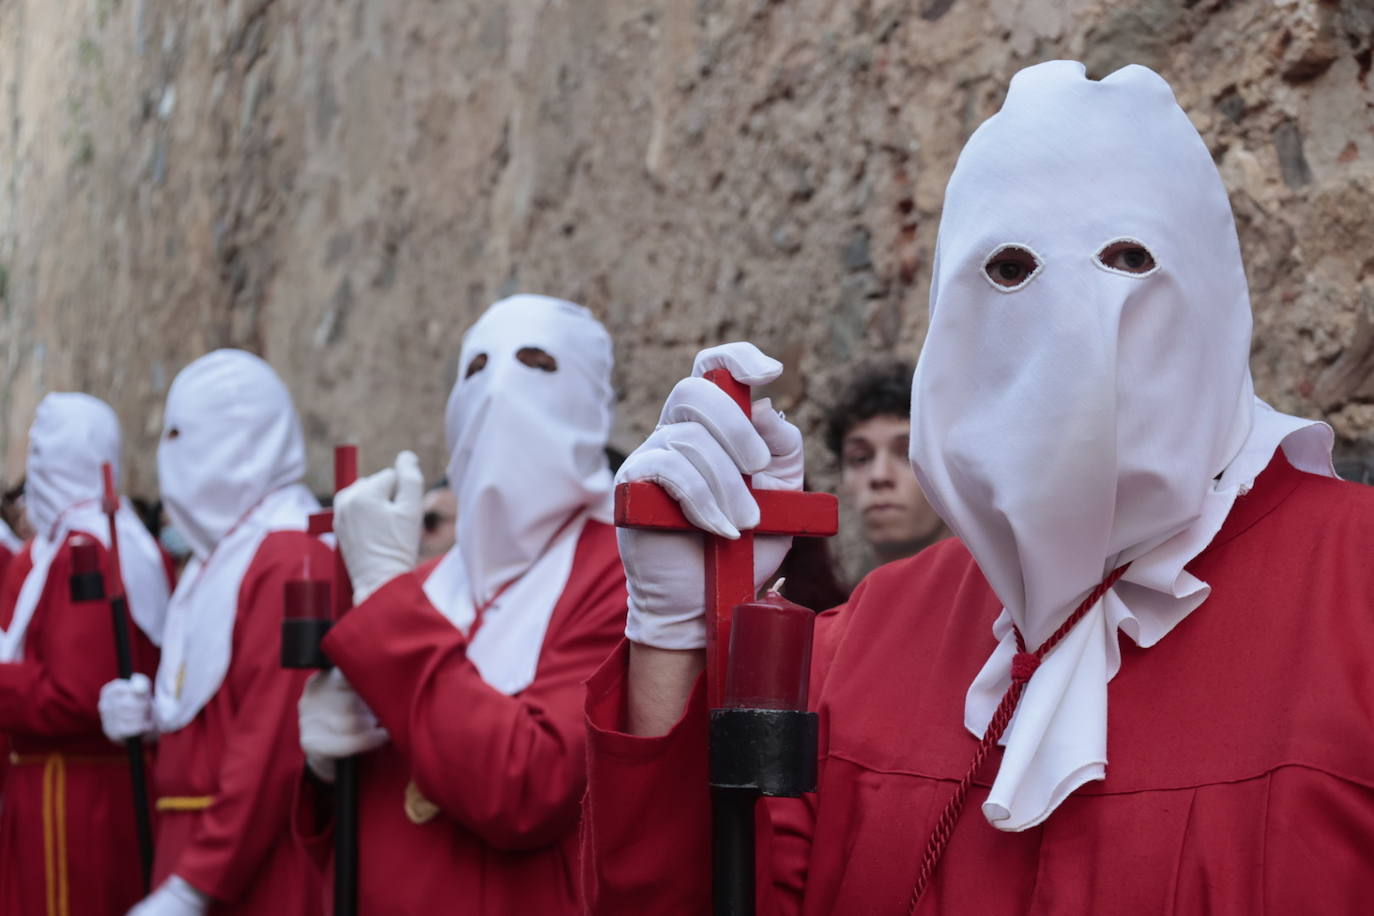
{"type": "Point", "coordinates": [877, 389]}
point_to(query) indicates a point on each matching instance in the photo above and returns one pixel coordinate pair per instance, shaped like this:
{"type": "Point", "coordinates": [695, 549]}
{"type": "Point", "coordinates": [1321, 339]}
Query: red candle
{"type": "Point", "coordinates": [770, 654]}
{"type": "Point", "coordinates": [85, 555]}
{"type": "Point", "coordinates": [308, 598]}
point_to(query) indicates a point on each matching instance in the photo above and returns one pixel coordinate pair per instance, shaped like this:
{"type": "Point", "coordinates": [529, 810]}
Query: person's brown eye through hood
{"type": "Point", "coordinates": [536, 358]}
{"type": "Point", "coordinates": [1127, 256]}
{"type": "Point", "coordinates": [1011, 267]}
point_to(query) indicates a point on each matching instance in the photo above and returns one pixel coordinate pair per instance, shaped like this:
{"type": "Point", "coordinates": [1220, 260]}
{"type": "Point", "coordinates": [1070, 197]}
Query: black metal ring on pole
{"type": "Point", "coordinates": [300, 643]}
{"type": "Point", "coordinates": [754, 752]}
{"type": "Point", "coordinates": [771, 751]}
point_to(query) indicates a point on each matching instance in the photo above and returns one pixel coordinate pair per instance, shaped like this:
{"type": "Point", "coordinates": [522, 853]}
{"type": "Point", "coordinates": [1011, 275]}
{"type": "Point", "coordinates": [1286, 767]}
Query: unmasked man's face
{"type": "Point", "coordinates": [878, 482]}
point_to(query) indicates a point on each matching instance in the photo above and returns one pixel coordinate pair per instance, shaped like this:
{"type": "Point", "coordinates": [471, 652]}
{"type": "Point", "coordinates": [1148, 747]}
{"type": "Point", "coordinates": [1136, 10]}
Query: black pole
{"type": "Point", "coordinates": [732, 851]}
{"type": "Point", "coordinates": [762, 742]}
{"type": "Point", "coordinates": [88, 584]}
{"type": "Point", "coordinates": [133, 747]}
{"type": "Point", "coordinates": [346, 836]}
{"type": "Point", "coordinates": [307, 602]}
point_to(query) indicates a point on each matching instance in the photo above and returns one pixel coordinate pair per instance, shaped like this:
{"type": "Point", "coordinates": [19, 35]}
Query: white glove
{"type": "Point", "coordinates": [173, 897]}
{"type": "Point", "coordinates": [702, 445]}
{"type": "Point", "coordinates": [126, 708]}
{"type": "Point", "coordinates": [377, 523]}
{"type": "Point", "coordinates": [335, 722]}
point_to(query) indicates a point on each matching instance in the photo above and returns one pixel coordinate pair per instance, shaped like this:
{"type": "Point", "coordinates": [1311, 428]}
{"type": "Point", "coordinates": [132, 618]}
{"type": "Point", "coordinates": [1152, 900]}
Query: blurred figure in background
{"type": "Point", "coordinates": [10, 541]}
{"type": "Point", "coordinates": [440, 507]}
{"type": "Point", "coordinates": [12, 511]}
{"type": "Point", "coordinates": [867, 430]}
{"type": "Point", "coordinates": [230, 463]}
{"type": "Point", "coordinates": [66, 823]}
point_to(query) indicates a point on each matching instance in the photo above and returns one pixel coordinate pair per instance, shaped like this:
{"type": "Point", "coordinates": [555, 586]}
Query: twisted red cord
{"type": "Point", "coordinates": [1023, 665]}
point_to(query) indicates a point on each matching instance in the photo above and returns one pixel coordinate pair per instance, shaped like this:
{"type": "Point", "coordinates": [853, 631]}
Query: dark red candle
{"type": "Point", "coordinates": [85, 554]}
{"type": "Point", "coordinates": [308, 599]}
{"type": "Point", "coordinates": [770, 654]}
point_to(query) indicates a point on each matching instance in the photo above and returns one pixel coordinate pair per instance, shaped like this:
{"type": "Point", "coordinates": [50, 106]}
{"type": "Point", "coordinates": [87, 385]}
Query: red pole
{"type": "Point", "coordinates": [345, 473]}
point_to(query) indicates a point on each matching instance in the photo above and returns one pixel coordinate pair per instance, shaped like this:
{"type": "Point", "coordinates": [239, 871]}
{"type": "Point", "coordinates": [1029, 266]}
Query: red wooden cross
{"type": "Point", "coordinates": [729, 564]}
{"type": "Point", "coordinates": [345, 473]}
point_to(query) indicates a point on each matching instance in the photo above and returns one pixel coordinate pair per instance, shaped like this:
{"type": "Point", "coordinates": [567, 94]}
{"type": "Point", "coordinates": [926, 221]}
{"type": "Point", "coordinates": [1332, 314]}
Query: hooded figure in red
{"type": "Point", "coordinates": [474, 663]}
{"type": "Point", "coordinates": [222, 708]}
{"type": "Point", "coordinates": [1138, 681]}
{"type": "Point", "coordinates": [67, 836]}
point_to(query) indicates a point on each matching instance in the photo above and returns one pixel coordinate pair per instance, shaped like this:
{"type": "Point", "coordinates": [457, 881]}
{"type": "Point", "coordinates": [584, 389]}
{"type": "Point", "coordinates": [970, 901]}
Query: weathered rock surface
{"type": "Point", "coordinates": [342, 186]}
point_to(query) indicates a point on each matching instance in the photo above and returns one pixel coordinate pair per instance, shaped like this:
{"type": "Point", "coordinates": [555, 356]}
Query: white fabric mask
{"type": "Point", "coordinates": [72, 436]}
{"type": "Point", "coordinates": [228, 465]}
{"type": "Point", "coordinates": [230, 435]}
{"type": "Point", "coordinates": [528, 465]}
{"type": "Point", "coordinates": [1090, 416]}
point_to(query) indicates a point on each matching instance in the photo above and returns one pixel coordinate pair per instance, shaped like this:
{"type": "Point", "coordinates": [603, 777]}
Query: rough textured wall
{"type": "Point", "coordinates": [342, 185]}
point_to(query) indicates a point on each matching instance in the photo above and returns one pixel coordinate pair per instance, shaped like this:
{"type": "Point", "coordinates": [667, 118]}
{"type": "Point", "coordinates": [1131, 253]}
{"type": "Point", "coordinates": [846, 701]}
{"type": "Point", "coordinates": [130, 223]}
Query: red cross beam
{"type": "Point", "coordinates": [729, 564]}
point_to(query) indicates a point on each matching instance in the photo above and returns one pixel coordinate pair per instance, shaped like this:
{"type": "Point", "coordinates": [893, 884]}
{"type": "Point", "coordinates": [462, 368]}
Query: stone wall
{"type": "Point", "coordinates": [342, 185]}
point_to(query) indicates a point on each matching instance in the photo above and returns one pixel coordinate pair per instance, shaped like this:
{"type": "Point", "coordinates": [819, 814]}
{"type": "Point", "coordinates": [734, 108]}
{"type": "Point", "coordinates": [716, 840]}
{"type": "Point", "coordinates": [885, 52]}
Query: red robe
{"type": "Point", "coordinates": [1241, 749]}
{"type": "Point", "coordinates": [224, 782]}
{"type": "Point", "coordinates": [68, 844]}
{"type": "Point", "coordinates": [506, 773]}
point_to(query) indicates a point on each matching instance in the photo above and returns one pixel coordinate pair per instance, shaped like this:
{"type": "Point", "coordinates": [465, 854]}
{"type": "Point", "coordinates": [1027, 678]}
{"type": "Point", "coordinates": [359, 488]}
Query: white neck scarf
{"type": "Point", "coordinates": [1090, 416]}
{"type": "Point", "coordinates": [506, 648]}
{"type": "Point", "coordinates": [71, 437]}
{"type": "Point", "coordinates": [228, 466]}
{"type": "Point", "coordinates": [528, 466]}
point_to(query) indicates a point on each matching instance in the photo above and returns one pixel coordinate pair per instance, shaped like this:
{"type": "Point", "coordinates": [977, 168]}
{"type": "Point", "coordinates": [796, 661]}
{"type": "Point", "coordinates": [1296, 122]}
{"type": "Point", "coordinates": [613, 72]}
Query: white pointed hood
{"type": "Point", "coordinates": [1090, 416]}
{"type": "Point", "coordinates": [528, 465]}
{"type": "Point", "coordinates": [72, 435]}
{"type": "Point", "coordinates": [229, 466]}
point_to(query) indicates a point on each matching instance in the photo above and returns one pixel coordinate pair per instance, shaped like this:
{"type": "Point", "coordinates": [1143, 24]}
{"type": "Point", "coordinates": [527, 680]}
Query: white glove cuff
{"type": "Point", "coordinates": [364, 590]}
{"type": "Point", "coordinates": [684, 630]}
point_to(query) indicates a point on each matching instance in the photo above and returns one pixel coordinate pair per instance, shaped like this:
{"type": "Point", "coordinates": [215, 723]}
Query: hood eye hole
{"type": "Point", "coordinates": [1011, 267]}
{"type": "Point", "coordinates": [173, 433]}
{"type": "Point", "coordinates": [1127, 256]}
{"type": "Point", "coordinates": [536, 358]}
{"type": "Point", "coordinates": [478, 363]}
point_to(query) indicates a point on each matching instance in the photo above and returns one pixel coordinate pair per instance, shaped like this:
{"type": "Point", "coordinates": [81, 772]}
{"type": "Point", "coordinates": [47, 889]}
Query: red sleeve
{"type": "Point", "coordinates": [69, 655]}
{"type": "Point", "coordinates": [633, 781]}
{"type": "Point", "coordinates": [262, 757]}
{"type": "Point", "coordinates": [512, 769]}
